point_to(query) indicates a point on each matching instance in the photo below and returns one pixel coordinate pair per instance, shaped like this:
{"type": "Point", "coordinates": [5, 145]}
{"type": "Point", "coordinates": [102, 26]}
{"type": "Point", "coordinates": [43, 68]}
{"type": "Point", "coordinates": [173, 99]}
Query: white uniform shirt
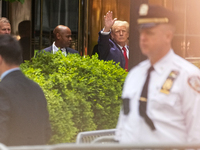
{"type": "Point", "coordinates": [176, 116]}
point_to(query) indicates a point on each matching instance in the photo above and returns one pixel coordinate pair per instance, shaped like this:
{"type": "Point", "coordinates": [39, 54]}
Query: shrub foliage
{"type": "Point", "coordinates": [83, 93]}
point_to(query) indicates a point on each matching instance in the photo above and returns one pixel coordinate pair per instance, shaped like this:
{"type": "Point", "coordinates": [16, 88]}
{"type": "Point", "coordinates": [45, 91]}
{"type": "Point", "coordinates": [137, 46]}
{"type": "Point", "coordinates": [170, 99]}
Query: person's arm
{"type": "Point", "coordinates": [191, 107]}
{"type": "Point", "coordinates": [4, 116]}
{"type": "Point", "coordinates": [104, 36]}
{"type": "Point", "coordinates": [48, 130]}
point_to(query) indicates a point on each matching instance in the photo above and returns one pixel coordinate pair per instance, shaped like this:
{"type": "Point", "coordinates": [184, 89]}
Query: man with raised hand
{"type": "Point", "coordinates": [112, 43]}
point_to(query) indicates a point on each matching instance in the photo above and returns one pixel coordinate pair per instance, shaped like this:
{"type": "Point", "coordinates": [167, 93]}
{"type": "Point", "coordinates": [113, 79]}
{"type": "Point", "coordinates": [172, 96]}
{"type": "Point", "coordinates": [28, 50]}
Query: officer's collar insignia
{"type": "Point", "coordinates": [143, 11]}
{"type": "Point", "coordinates": [194, 83]}
{"type": "Point", "coordinates": [169, 82]}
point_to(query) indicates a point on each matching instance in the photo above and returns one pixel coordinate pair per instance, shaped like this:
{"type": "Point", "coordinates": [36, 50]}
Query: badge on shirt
{"type": "Point", "coordinates": [194, 83]}
{"type": "Point", "coordinates": [169, 82]}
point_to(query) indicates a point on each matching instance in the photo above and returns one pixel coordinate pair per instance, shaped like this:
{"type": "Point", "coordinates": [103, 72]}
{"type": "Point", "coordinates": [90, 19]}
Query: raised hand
{"type": "Point", "coordinates": [108, 21]}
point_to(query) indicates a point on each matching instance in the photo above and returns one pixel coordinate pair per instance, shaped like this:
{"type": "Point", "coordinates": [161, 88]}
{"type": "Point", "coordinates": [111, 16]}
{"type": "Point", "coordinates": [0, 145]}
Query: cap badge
{"type": "Point", "coordinates": [143, 11]}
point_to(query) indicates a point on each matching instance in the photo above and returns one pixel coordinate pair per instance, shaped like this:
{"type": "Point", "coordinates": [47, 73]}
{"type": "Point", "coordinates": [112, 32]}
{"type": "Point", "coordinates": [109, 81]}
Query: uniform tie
{"type": "Point", "coordinates": [126, 58]}
{"type": "Point", "coordinates": [63, 51]}
{"type": "Point", "coordinates": [143, 101]}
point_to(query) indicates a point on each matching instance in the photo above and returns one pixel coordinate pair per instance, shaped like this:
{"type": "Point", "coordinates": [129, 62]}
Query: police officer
{"type": "Point", "coordinates": [161, 95]}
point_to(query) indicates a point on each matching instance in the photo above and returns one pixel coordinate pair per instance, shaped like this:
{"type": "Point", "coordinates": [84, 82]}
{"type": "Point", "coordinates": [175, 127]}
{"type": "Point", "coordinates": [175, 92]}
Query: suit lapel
{"type": "Point", "coordinates": [66, 50]}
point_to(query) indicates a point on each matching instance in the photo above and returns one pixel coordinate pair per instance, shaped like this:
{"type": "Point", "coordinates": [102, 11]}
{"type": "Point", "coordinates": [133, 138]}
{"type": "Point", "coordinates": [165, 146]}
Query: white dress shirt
{"type": "Point", "coordinates": [55, 49]}
{"type": "Point", "coordinates": [176, 115]}
{"type": "Point", "coordinates": [127, 51]}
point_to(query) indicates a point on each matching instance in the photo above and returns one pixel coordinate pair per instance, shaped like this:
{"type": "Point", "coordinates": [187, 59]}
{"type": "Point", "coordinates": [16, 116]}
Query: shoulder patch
{"type": "Point", "coordinates": [194, 83]}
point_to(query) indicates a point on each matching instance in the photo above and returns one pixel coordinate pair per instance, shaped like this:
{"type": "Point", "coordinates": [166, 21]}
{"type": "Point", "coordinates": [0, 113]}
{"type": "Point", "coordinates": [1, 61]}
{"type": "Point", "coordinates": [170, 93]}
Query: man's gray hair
{"type": "Point", "coordinates": [4, 20]}
{"type": "Point", "coordinates": [120, 23]}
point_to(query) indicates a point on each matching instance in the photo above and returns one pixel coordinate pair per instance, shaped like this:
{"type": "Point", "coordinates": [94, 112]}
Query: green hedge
{"type": "Point", "coordinates": [83, 93]}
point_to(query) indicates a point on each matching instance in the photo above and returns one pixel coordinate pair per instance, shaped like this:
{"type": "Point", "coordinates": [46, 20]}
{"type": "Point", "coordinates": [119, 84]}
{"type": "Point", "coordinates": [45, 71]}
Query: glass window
{"type": "Point", "coordinates": [59, 12]}
{"type": "Point", "coordinates": [21, 25]}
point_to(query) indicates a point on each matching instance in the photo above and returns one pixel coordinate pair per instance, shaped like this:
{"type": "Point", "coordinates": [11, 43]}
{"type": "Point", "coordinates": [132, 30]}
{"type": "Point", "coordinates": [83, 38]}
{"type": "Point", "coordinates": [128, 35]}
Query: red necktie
{"type": "Point", "coordinates": [126, 58]}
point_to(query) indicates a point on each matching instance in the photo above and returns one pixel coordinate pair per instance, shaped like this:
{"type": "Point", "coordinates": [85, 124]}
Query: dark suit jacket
{"type": "Point", "coordinates": [109, 50]}
{"type": "Point", "coordinates": [68, 50]}
{"type": "Point", "coordinates": [24, 118]}
{"type": "Point", "coordinates": [25, 44]}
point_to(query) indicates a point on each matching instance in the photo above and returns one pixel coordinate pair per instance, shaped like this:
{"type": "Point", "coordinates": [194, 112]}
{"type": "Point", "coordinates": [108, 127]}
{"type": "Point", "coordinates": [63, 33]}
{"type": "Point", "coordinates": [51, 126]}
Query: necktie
{"type": "Point", "coordinates": [126, 58]}
{"type": "Point", "coordinates": [143, 101]}
{"type": "Point", "coordinates": [63, 50]}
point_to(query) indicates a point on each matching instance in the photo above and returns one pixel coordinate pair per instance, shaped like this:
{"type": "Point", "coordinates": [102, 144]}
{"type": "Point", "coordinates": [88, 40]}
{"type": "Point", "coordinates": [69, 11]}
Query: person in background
{"type": "Point", "coordinates": [95, 50]}
{"type": "Point", "coordinates": [24, 29]}
{"type": "Point", "coordinates": [161, 95]}
{"type": "Point", "coordinates": [63, 38]}
{"type": "Point", "coordinates": [5, 27]}
{"type": "Point", "coordinates": [112, 42]}
{"type": "Point", "coordinates": [24, 118]}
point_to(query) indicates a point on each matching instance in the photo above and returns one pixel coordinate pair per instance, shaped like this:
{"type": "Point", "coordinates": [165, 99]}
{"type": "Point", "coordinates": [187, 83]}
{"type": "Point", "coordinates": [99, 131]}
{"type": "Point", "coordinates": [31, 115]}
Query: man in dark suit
{"type": "Point", "coordinates": [24, 118]}
{"type": "Point", "coordinates": [112, 43]}
{"type": "Point", "coordinates": [62, 42]}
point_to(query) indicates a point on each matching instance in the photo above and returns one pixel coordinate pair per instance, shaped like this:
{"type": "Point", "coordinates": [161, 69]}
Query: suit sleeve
{"type": "Point", "coordinates": [72, 51]}
{"type": "Point", "coordinates": [4, 115]}
{"type": "Point", "coordinates": [48, 130]}
{"type": "Point", "coordinates": [103, 46]}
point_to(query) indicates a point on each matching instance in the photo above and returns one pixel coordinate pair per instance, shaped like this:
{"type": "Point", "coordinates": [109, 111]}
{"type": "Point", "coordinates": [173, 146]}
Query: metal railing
{"type": "Point", "coordinates": [89, 136]}
{"type": "Point", "coordinates": [73, 146]}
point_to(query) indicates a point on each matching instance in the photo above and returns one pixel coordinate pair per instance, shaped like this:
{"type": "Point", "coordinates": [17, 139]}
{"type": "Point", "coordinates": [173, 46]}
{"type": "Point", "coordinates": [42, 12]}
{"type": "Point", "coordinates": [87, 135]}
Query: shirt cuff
{"type": "Point", "coordinates": [105, 33]}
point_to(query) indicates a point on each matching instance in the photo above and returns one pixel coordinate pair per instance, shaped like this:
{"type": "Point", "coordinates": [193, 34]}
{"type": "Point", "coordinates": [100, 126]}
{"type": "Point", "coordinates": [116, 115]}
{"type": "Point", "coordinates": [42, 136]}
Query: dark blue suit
{"type": "Point", "coordinates": [24, 118]}
{"type": "Point", "coordinates": [109, 50]}
{"type": "Point", "coordinates": [68, 50]}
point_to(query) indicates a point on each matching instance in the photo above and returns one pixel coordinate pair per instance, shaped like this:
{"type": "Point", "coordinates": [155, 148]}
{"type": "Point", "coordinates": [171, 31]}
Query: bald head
{"type": "Point", "coordinates": [62, 36]}
{"type": "Point", "coordinates": [60, 29]}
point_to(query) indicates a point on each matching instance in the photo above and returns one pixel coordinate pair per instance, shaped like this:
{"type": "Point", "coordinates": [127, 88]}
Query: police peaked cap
{"type": "Point", "coordinates": [151, 15]}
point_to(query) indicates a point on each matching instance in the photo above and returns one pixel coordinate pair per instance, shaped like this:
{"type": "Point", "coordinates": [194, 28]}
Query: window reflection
{"type": "Point", "coordinates": [59, 12]}
{"type": "Point", "coordinates": [187, 36]}
{"type": "Point", "coordinates": [21, 25]}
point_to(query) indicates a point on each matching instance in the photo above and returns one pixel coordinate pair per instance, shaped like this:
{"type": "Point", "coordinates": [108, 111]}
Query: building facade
{"type": "Point", "coordinates": [85, 19]}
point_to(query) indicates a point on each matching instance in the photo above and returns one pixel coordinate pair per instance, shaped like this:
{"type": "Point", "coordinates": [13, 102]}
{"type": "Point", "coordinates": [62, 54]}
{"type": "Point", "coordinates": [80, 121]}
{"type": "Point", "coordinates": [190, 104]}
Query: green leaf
{"type": "Point", "coordinates": [83, 93]}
